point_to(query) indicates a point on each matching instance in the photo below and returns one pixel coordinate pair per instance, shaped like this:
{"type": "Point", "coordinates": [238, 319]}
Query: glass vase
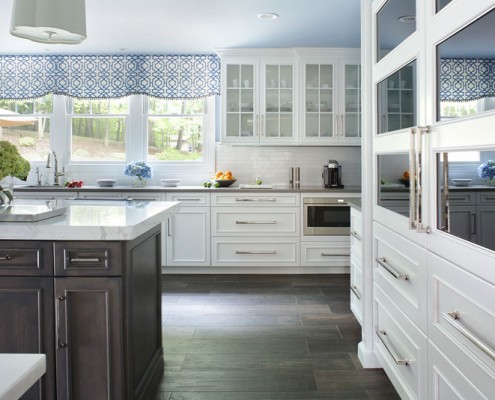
{"type": "Point", "coordinates": [139, 182]}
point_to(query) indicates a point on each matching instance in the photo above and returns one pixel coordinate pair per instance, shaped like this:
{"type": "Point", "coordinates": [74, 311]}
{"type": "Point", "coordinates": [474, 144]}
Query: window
{"type": "Point", "coordinates": [98, 130]}
{"type": "Point", "coordinates": [26, 124]}
{"type": "Point", "coordinates": [176, 130]}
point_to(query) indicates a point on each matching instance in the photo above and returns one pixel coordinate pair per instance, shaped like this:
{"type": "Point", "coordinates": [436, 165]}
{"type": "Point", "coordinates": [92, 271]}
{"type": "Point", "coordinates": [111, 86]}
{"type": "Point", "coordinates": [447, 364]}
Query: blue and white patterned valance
{"type": "Point", "coordinates": [110, 76]}
{"type": "Point", "coordinates": [464, 79]}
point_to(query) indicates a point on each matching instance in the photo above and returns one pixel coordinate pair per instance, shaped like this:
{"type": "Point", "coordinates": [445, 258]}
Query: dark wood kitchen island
{"type": "Point", "coordinates": [84, 289]}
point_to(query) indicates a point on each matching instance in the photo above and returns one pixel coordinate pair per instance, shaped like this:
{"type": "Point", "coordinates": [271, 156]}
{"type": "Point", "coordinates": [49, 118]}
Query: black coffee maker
{"type": "Point", "coordinates": [332, 175]}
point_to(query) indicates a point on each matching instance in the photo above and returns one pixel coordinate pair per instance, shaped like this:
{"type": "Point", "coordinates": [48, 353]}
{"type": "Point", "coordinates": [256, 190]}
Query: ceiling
{"type": "Point", "coordinates": [200, 26]}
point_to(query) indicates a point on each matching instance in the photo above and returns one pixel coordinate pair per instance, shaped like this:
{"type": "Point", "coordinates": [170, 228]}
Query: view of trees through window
{"type": "Point", "coordinates": [99, 129]}
{"type": "Point", "coordinates": [26, 124]}
{"type": "Point", "coordinates": [175, 129]}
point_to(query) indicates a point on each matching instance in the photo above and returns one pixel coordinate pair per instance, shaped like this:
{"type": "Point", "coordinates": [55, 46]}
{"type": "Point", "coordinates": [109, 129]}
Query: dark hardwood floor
{"type": "Point", "coordinates": [263, 337]}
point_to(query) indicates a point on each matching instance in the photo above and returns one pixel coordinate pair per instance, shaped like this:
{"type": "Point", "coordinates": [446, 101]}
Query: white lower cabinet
{"type": "Point", "coordinates": [186, 234]}
{"type": "Point", "coordinates": [258, 230]}
{"type": "Point", "coordinates": [462, 329]}
{"type": "Point", "coordinates": [333, 255]}
{"type": "Point", "coordinates": [400, 347]}
{"type": "Point", "coordinates": [356, 264]}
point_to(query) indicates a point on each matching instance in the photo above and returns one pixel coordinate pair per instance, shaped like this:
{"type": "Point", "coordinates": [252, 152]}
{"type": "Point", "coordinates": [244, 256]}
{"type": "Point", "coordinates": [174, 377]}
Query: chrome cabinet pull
{"type": "Point", "coordinates": [256, 222]}
{"type": "Point", "coordinates": [453, 318]}
{"type": "Point", "coordinates": [169, 228]}
{"type": "Point", "coordinates": [86, 259]}
{"type": "Point", "coordinates": [391, 270]}
{"type": "Point", "coordinates": [383, 336]}
{"type": "Point", "coordinates": [323, 254]}
{"type": "Point", "coordinates": [259, 199]}
{"type": "Point", "coordinates": [445, 199]}
{"type": "Point", "coordinates": [60, 344]}
{"type": "Point", "coordinates": [188, 199]}
{"type": "Point", "coordinates": [355, 290]}
{"type": "Point", "coordinates": [6, 258]}
{"type": "Point", "coordinates": [356, 235]}
{"type": "Point", "coordinates": [256, 252]}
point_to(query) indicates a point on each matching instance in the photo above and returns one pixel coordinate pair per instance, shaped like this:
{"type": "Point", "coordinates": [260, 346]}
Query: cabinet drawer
{"type": "Point", "coordinates": [356, 288]}
{"type": "Point", "coordinates": [325, 254]}
{"type": "Point", "coordinates": [486, 198]}
{"type": "Point", "coordinates": [449, 382]}
{"type": "Point", "coordinates": [255, 199]}
{"type": "Point", "coordinates": [401, 348]}
{"type": "Point", "coordinates": [356, 236]}
{"type": "Point", "coordinates": [462, 319]}
{"type": "Point", "coordinates": [88, 259]}
{"type": "Point", "coordinates": [251, 252]}
{"type": "Point", "coordinates": [248, 221]}
{"type": "Point", "coordinates": [400, 270]}
{"type": "Point", "coordinates": [26, 258]}
{"type": "Point", "coordinates": [462, 198]}
{"type": "Point", "coordinates": [190, 199]}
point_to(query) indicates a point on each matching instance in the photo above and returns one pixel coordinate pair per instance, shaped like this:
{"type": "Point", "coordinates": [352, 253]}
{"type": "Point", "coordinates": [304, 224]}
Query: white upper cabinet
{"type": "Point", "coordinates": [291, 96]}
{"type": "Point", "coordinates": [331, 99]}
{"type": "Point", "coordinates": [259, 93]}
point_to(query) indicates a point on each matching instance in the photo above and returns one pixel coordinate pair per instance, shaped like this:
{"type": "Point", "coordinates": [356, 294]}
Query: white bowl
{"type": "Point", "coordinates": [170, 182]}
{"type": "Point", "coordinates": [106, 182]}
{"type": "Point", "coordinates": [461, 182]}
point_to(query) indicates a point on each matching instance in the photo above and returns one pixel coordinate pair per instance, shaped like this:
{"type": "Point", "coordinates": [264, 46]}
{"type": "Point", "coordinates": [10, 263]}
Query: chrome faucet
{"type": "Point", "coordinates": [56, 174]}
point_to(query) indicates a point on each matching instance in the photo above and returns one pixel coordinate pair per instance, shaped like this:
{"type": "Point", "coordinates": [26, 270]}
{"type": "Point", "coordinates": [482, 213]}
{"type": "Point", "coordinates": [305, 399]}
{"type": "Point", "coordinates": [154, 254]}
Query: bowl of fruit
{"type": "Point", "coordinates": [224, 179]}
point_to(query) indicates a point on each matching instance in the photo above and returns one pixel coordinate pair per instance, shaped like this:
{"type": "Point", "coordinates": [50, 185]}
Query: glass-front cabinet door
{"type": "Point", "coordinates": [241, 103]}
{"type": "Point", "coordinates": [331, 101]}
{"type": "Point", "coordinates": [319, 105]}
{"type": "Point", "coordinates": [278, 116]}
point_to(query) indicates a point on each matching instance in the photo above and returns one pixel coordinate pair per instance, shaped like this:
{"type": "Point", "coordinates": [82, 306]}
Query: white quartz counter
{"type": "Point", "coordinates": [92, 220]}
{"type": "Point", "coordinates": [18, 372]}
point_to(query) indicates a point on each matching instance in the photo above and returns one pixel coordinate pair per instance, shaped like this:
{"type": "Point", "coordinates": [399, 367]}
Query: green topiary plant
{"type": "Point", "coordinates": [11, 164]}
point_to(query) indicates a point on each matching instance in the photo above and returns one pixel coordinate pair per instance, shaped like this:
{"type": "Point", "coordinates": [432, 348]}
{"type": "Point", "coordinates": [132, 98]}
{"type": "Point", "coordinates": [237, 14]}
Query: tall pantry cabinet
{"type": "Point", "coordinates": [433, 312]}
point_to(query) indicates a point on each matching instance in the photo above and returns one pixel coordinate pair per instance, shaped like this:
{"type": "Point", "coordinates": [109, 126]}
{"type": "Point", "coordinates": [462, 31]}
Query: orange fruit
{"type": "Point", "coordinates": [218, 174]}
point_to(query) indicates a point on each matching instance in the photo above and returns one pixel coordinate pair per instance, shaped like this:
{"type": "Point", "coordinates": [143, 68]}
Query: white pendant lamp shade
{"type": "Point", "coordinates": [49, 21]}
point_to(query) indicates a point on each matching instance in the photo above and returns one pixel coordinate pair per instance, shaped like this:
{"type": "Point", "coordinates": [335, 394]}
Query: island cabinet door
{"type": "Point", "coordinates": [88, 337]}
{"type": "Point", "coordinates": [26, 326]}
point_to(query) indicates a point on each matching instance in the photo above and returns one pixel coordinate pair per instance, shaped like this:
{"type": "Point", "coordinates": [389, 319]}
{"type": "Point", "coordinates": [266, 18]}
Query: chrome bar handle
{"type": "Point", "coordinates": [342, 133]}
{"type": "Point", "coordinates": [60, 344]}
{"type": "Point", "coordinates": [256, 222]}
{"type": "Point", "coordinates": [86, 259]}
{"type": "Point", "coordinates": [260, 199]}
{"type": "Point", "coordinates": [257, 124]}
{"type": "Point", "coordinates": [355, 290]}
{"type": "Point", "coordinates": [6, 258]}
{"type": "Point", "coordinates": [382, 335]}
{"type": "Point", "coordinates": [255, 252]}
{"type": "Point", "coordinates": [323, 254]}
{"type": "Point", "coordinates": [453, 318]}
{"type": "Point", "coordinates": [188, 199]}
{"type": "Point", "coordinates": [391, 270]}
{"type": "Point", "coordinates": [412, 178]}
{"type": "Point", "coordinates": [420, 227]}
{"type": "Point", "coordinates": [169, 227]}
{"type": "Point", "coordinates": [356, 235]}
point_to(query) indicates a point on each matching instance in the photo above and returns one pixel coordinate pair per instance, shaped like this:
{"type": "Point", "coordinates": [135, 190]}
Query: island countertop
{"type": "Point", "coordinates": [92, 220]}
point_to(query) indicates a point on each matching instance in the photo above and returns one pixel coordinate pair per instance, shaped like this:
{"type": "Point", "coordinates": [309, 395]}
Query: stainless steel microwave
{"type": "Point", "coordinates": [324, 216]}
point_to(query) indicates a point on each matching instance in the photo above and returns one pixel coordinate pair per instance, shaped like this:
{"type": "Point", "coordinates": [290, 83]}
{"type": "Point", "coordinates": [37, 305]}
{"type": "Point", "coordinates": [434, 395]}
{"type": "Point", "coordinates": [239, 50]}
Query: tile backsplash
{"type": "Point", "coordinates": [272, 164]}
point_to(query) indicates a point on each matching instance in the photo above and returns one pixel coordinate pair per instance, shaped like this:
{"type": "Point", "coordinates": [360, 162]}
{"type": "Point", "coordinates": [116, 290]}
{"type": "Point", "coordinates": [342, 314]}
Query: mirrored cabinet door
{"type": "Point", "coordinates": [240, 102]}
{"type": "Point", "coordinates": [466, 195]}
{"type": "Point", "coordinates": [466, 71]}
{"type": "Point", "coordinates": [396, 20]}
{"type": "Point", "coordinates": [393, 182]}
{"type": "Point", "coordinates": [397, 100]}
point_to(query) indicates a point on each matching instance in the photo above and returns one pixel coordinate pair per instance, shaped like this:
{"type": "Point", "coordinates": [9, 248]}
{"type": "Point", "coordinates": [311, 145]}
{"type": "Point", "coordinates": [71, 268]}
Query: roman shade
{"type": "Point", "coordinates": [464, 79]}
{"type": "Point", "coordinates": [109, 76]}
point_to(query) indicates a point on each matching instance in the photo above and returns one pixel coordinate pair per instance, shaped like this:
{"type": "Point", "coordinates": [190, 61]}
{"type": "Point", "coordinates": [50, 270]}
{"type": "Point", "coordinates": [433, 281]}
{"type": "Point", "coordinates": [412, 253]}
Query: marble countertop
{"type": "Point", "coordinates": [356, 203]}
{"type": "Point", "coordinates": [92, 220]}
{"type": "Point", "coordinates": [163, 189]}
{"type": "Point", "coordinates": [18, 372]}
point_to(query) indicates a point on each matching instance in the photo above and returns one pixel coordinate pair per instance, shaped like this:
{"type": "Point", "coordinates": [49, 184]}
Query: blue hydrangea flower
{"type": "Point", "coordinates": [487, 170]}
{"type": "Point", "coordinates": [139, 169]}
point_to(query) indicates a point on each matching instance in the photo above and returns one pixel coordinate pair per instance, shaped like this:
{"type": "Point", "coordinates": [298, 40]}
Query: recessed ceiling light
{"type": "Point", "coordinates": [267, 16]}
{"type": "Point", "coordinates": [407, 18]}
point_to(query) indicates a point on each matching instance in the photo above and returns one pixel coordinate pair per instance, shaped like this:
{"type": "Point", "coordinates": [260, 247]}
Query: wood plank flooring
{"type": "Point", "coordinates": [263, 337]}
